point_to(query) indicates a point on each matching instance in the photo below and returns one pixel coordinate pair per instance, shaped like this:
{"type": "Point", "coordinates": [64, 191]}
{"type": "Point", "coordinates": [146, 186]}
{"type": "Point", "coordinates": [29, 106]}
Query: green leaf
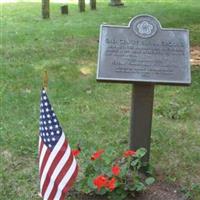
{"type": "Point", "coordinates": [139, 186]}
{"type": "Point", "coordinates": [123, 171]}
{"type": "Point", "coordinates": [89, 170]}
{"type": "Point", "coordinates": [101, 192]}
{"type": "Point", "coordinates": [150, 180]}
{"type": "Point", "coordinates": [118, 194]}
{"type": "Point", "coordinates": [90, 183]}
{"type": "Point", "coordinates": [82, 186]}
{"type": "Point", "coordinates": [107, 160]}
{"type": "Point", "coordinates": [141, 152]}
{"type": "Point", "coordinates": [134, 162]}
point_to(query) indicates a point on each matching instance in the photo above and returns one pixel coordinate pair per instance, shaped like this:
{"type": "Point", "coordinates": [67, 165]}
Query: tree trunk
{"type": "Point", "coordinates": [116, 3]}
{"type": "Point", "coordinates": [45, 9]}
{"type": "Point", "coordinates": [93, 4]}
{"type": "Point", "coordinates": [81, 4]}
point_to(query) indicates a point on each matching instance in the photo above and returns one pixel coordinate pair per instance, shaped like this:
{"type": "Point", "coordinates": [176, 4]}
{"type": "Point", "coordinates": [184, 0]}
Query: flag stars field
{"type": "Point", "coordinates": [46, 111]}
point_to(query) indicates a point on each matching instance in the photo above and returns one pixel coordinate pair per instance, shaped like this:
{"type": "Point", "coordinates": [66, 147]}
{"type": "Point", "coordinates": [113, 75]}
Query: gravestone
{"type": "Point", "coordinates": [116, 3]}
{"type": "Point", "coordinates": [64, 10]}
{"type": "Point", "coordinates": [144, 54]}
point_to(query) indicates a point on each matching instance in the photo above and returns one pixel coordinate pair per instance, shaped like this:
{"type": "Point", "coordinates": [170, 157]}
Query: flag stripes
{"type": "Point", "coordinates": [66, 179]}
{"type": "Point", "coordinates": [57, 165]}
{"type": "Point", "coordinates": [56, 174]}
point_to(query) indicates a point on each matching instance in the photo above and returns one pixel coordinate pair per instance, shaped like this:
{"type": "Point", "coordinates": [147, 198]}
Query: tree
{"type": "Point", "coordinates": [81, 4]}
{"type": "Point", "coordinates": [93, 4]}
{"type": "Point", "coordinates": [45, 9]}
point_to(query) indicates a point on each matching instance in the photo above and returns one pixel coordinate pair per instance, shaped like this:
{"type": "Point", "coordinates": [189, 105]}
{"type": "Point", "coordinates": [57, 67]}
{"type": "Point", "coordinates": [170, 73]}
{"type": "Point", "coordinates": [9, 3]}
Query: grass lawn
{"type": "Point", "coordinates": [96, 114]}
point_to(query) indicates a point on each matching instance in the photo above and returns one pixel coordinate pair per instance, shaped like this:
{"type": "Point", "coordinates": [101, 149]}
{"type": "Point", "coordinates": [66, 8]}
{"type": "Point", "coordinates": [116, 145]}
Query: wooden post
{"type": "Point", "coordinates": [64, 9]}
{"type": "Point", "coordinates": [81, 4]}
{"type": "Point", "coordinates": [45, 80]}
{"type": "Point", "coordinates": [45, 9]}
{"type": "Point", "coordinates": [93, 4]}
{"type": "Point", "coordinates": [141, 117]}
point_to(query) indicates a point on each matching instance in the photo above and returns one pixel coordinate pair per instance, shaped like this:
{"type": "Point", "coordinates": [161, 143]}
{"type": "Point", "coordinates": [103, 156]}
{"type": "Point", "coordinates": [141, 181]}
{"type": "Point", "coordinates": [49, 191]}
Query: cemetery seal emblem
{"type": "Point", "coordinates": [144, 26]}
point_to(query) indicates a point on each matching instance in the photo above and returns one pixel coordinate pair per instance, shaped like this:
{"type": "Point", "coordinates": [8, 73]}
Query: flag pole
{"type": "Point", "coordinates": [45, 86]}
{"type": "Point", "coordinates": [45, 80]}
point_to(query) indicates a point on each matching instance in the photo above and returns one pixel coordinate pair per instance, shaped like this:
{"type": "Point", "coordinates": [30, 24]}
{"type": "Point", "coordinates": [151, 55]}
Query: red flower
{"type": "Point", "coordinates": [76, 152]}
{"type": "Point", "coordinates": [129, 153]}
{"type": "Point", "coordinates": [97, 154]}
{"type": "Point", "coordinates": [111, 184]}
{"type": "Point", "coordinates": [100, 181]}
{"type": "Point", "coordinates": [116, 170]}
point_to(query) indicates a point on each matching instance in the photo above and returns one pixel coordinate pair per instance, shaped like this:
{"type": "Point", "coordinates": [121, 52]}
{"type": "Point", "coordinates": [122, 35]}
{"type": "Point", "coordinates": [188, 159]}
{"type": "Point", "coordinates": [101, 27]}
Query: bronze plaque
{"type": "Point", "coordinates": [143, 51]}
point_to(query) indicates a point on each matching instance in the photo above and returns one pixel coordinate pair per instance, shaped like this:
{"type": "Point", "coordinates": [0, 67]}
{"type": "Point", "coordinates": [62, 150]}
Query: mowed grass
{"type": "Point", "coordinates": [94, 114]}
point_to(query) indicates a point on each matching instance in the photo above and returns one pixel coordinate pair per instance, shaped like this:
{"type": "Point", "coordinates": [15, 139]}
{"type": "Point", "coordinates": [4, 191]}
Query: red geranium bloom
{"type": "Point", "coordinates": [116, 170]}
{"type": "Point", "coordinates": [111, 184]}
{"type": "Point", "coordinates": [76, 152]}
{"type": "Point", "coordinates": [97, 154]}
{"type": "Point", "coordinates": [100, 181]}
{"type": "Point", "coordinates": [129, 153]}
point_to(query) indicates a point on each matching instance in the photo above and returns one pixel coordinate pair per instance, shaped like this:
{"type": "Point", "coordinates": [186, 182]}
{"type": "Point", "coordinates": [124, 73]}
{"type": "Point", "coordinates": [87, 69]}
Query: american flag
{"type": "Point", "coordinates": [57, 166]}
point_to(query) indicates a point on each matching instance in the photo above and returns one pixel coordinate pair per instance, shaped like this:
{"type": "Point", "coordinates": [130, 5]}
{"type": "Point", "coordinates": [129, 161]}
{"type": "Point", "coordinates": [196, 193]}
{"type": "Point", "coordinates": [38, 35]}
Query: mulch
{"type": "Point", "coordinates": [162, 191]}
{"type": "Point", "coordinates": [158, 191]}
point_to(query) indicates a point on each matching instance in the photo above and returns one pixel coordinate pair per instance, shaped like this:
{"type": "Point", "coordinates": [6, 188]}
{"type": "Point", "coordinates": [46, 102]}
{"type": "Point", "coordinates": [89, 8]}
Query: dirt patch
{"type": "Point", "coordinates": [162, 191]}
{"type": "Point", "coordinates": [158, 191]}
{"type": "Point", "coordinates": [195, 55]}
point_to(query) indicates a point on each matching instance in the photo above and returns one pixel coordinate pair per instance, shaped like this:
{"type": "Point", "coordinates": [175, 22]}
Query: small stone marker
{"type": "Point", "coordinates": [64, 10]}
{"type": "Point", "coordinates": [116, 3]}
{"type": "Point", "coordinates": [145, 54]}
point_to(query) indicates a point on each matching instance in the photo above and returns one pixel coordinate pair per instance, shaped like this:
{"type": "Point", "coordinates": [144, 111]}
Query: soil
{"type": "Point", "coordinates": [162, 191]}
{"type": "Point", "coordinates": [195, 55]}
{"type": "Point", "coordinates": [158, 191]}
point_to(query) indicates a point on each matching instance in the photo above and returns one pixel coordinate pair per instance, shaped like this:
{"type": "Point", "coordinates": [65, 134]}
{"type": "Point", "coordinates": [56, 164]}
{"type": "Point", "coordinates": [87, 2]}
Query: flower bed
{"type": "Point", "coordinates": [117, 178]}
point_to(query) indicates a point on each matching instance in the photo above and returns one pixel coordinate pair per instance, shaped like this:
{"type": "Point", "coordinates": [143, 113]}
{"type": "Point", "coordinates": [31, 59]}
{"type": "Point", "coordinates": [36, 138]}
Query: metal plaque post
{"type": "Point", "coordinates": [141, 117]}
